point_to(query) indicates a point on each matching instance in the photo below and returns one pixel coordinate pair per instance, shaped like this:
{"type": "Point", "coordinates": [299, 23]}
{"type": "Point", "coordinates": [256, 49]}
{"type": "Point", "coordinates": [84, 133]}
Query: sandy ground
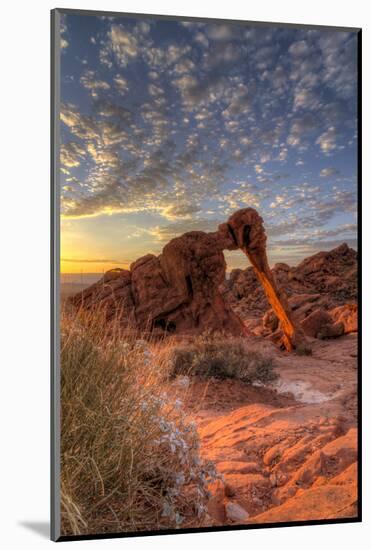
{"type": "Point", "coordinates": [287, 451]}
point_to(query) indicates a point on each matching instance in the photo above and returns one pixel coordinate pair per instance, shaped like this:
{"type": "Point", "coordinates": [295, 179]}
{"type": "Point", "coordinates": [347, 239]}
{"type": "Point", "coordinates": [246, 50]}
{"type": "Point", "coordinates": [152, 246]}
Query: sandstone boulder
{"type": "Point", "coordinates": [318, 321]}
{"type": "Point", "coordinates": [330, 274]}
{"type": "Point", "coordinates": [348, 315]}
{"type": "Point", "coordinates": [321, 293]}
{"type": "Point", "coordinates": [177, 291]}
{"type": "Point", "coordinates": [111, 294]}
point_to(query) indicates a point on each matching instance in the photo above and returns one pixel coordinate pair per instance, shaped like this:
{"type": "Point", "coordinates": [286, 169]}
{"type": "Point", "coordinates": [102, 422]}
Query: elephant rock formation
{"type": "Point", "coordinates": [179, 290]}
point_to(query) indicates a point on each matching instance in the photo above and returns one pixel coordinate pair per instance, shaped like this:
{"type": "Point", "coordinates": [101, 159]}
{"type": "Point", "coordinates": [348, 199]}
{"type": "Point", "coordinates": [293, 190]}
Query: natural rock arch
{"type": "Point", "coordinates": [178, 291]}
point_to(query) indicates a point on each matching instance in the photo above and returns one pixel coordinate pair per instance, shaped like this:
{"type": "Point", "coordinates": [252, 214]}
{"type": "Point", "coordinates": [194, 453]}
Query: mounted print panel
{"type": "Point", "coordinates": [205, 213]}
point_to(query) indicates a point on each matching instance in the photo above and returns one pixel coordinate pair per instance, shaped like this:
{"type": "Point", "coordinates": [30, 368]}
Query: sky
{"type": "Point", "coordinates": [171, 126]}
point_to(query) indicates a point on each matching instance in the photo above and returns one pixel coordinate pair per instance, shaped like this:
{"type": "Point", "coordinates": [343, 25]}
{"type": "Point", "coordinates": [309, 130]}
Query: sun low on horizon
{"type": "Point", "coordinates": [169, 126]}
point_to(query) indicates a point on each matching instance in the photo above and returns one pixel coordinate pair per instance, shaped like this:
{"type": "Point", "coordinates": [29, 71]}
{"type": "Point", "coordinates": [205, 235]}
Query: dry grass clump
{"type": "Point", "coordinates": [221, 357]}
{"type": "Point", "coordinates": [129, 457]}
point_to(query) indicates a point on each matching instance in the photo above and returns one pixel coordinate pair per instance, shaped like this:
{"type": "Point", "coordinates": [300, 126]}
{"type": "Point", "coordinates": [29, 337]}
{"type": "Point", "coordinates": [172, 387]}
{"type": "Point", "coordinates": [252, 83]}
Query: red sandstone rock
{"type": "Point", "coordinates": [177, 291]}
{"type": "Point", "coordinates": [317, 320]}
{"type": "Point", "coordinates": [112, 293]}
{"type": "Point", "coordinates": [332, 274]}
{"type": "Point", "coordinates": [270, 321]}
{"type": "Point", "coordinates": [185, 290]}
{"type": "Point", "coordinates": [331, 331]}
{"type": "Point", "coordinates": [245, 230]}
{"type": "Point", "coordinates": [323, 281]}
{"type": "Point", "coordinates": [348, 315]}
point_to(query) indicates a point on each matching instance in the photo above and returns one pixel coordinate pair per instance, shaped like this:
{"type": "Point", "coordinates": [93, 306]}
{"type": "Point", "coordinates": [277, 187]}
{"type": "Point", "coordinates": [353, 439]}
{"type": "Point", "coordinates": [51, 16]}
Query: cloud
{"type": "Point", "coordinates": [164, 58]}
{"type": "Point", "coordinates": [92, 83]}
{"type": "Point", "coordinates": [121, 84]}
{"type": "Point", "coordinates": [184, 66]}
{"type": "Point", "coordinates": [220, 31]}
{"type": "Point", "coordinates": [168, 232]}
{"type": "Point", "coordinates": [339, 54]}
{"type": "Point", "coordinates": [327, 140]}
{"type": "Point", "coordinates": [113, 110]}
{"type": "Point", "coordinates": [239, 103]}
{"type": "Point", "coordinates": [309, 211]}
{"type": "Point", "coordinates": [278, 201]}
{"type": "Point", "coordinates": [182, 211]}
{"type": "Point", "coordinates": [319, 237]}
{"type": "Point", "coordinates": [79, 125]}
{"type": "Point", "coordinates": [327, 172]}
{"type": "Point", "coordinates": [306, 247]}
{"type": "Point", "coordinates": [71, 154]}
{"type": "Point", "coordinates": [310, 240]}
{"type": "Point", "coordinates": [94, 261]}
{"type": "Point", "coordinates": [299, 48]}
{"type": "Point", "coordinates": [124, 45]}
{"type": "Point", "coordinates": [103, 156]}
{"type": "Point", "coordinates": [143, 27]}
{"type": "Point", "coordinates": [339, 230]}
{"type": "Point", "coordinates": [172, 125]}
{"type": "Point", "coordinates": [201, 39]}
{"type": "Point", "coordinates": [302, 127]}
{"type": "Point", "coordinates": [219, 56]}
{"type": "Point", "coordinates": [282, 155]}
{"type": "Point", "coordinates": [63, 31]}
{"type": "Point", "coordinates": [305, 98]}
{"type": "Point", "coordinates": [152, 179]}
{"type": "Point", "coordinates": [155, 90]}
{"type": "Point", "coordinates": [208, 88]}
{"type": "Point", "coordinates": [243, 196]}
{"type": "Point", "coordinates": [189, 88]}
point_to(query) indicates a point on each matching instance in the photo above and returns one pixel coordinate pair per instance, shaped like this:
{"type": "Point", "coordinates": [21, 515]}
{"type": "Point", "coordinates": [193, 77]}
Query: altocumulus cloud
{"type": "Point", "coordinates": [164, 117]}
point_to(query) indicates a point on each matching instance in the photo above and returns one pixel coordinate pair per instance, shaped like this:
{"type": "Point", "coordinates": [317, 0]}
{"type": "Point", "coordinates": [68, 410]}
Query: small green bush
{"type": "Point", "coordinates": [221, 357]}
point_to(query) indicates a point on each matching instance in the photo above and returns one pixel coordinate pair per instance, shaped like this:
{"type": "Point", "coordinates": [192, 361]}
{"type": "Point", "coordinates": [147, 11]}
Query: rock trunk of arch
{"type": "Point", "coordinates": [245, 230]}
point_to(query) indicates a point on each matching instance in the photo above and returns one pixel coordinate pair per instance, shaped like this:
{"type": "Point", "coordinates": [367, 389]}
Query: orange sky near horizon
{"type": "Point", "coordinates": [91, 245]}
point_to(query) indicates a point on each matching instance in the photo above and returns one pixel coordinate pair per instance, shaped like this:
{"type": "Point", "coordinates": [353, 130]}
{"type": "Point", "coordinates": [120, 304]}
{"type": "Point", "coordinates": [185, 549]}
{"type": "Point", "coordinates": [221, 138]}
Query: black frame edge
{"type": "Point", "coordinates": [222, 528]}
{"type": "Point", "coordinates": [54, 281]}
{"type": "Point", "coordinates": [359, 266]}
{"type": "Point", "coordinates": [97, 13]}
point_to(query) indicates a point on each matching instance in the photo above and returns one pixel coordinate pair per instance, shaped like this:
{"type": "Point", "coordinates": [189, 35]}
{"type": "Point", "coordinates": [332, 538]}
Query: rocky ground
{"type": "Point", "coordinates": [287, 451]}
{"type": "Point", "coordinates": [321, 291]}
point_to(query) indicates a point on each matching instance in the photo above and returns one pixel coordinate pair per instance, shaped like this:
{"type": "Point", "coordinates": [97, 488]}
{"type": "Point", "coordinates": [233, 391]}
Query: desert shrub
{"type": "Point", "coordinates": [129, 457]}
{"type": "Point", "coordinates": [221, 357]}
